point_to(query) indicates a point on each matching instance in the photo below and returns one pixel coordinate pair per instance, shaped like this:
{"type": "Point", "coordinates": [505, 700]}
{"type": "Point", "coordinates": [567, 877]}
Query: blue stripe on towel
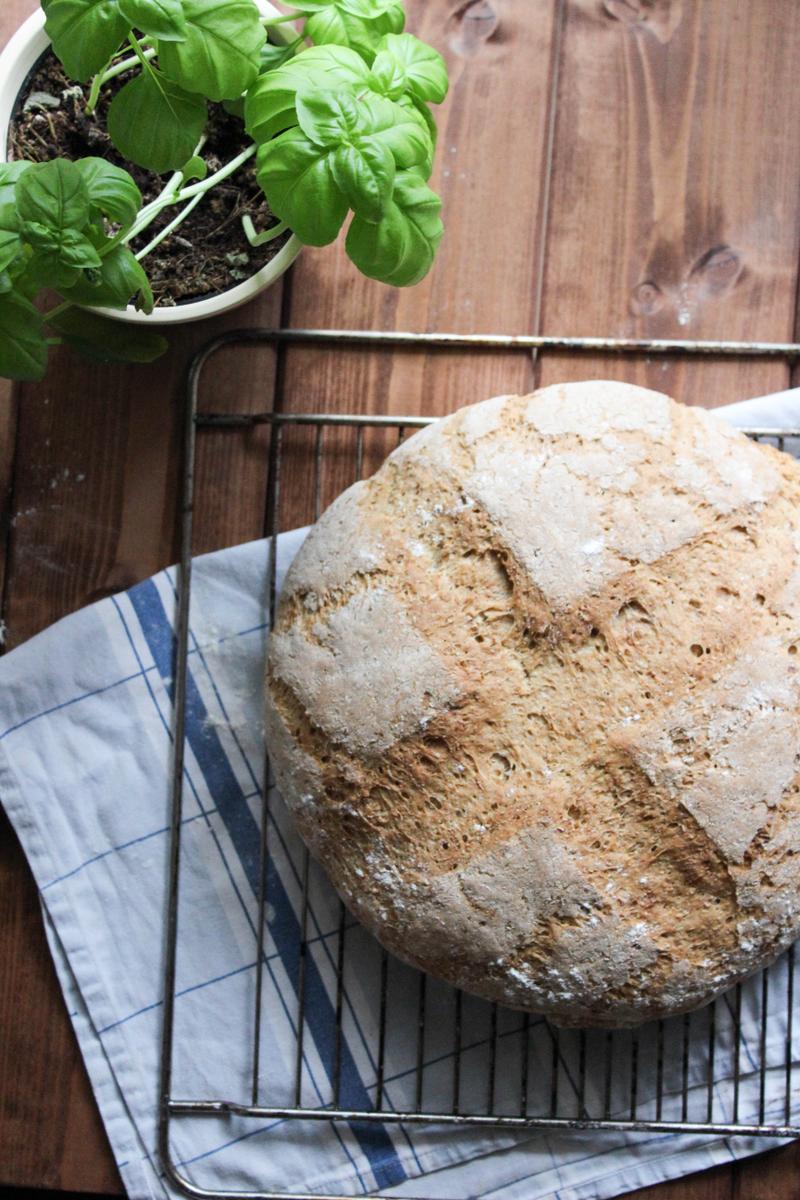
{"type": "Point", "coordinates": [243, 831]}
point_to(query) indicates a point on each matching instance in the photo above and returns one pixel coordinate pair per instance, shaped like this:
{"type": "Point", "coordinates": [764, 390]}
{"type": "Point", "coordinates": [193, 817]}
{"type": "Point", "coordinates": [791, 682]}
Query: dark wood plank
{"type": "Point", "coordinates": [705, 1185]}
{"type": "Point", "coordinates": [51, 1134]}
{"type": "Point", "coordinates": [674, 204]}
{"type": "Point", "coordinates": [772, 1176]}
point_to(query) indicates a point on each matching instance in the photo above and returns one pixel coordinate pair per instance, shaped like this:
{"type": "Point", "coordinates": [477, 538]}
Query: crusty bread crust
{"type": "Point", "coordinates": [533, 698]}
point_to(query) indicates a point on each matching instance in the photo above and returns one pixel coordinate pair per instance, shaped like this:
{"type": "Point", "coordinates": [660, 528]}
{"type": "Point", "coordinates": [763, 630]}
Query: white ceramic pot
{"type": "Point", "coordinates": [17, 60]}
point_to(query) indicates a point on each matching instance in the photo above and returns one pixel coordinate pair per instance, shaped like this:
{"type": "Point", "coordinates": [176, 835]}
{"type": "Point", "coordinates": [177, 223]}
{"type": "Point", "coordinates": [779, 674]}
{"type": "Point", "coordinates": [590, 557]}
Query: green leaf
{"type": "Point", "coordinates": [51, 263]}
{"type": "Point", "coordinates": [120, 281]}
{"type": "Point", "coordinates": [400, 248]}
{"type": "Point", "coordinates": [155, 123]}
{"type": "Point", "coordinates": [23, 348]}
{"type": "Point", "coordinates": [10, 240]}
{"type": "Point", "coordinates": [106, 340]}
{"type": "Point", "coordinates": [112, 191]}
{"type": "Point", "coordinates": [365, 174]}
{"type": "Point", "coordinates": [84, 33]}
{"type": "Point", "coordinates": [219, 56]}
{"type": "Point", "coordinates": [9, 174]}
{"type": "Point", "coordinates": [328, 118]}
{"type": "Point", "coordinates": [273, 56]}
{"type": "Point", "coordinates": [42, 237]}
{"type": "Point", "coordinates": [338, 63]}
{"type": "Point", "coordinates": [404, 63]}
{"type": "Point", "coordinates": [341, 26]}
{"type": "Point", "coordinates": [270, 102]}
{"type": "Point", "coordinates": [367, 9]}
{"type": "Point", "coordinates": [54, 195]}
{"type": "Point", "coordinates": [363, 167]}
{"type": "Point", "coordinates": [42, 268]}
{"type": "Point", "coordinates": [422, 113]}
{"type": "Point", "coordinates": [76, 250]}
{"type": "Point", "coordinates": [235, 107]}
{"type": "Point", "coordinates": [400, 129]}
{"type": "Point", "coordinates": [195, 168]}
{"type": "Point", "coordinates": [297, 178]}
{"type": "Point", "coordinates": [162, 19]}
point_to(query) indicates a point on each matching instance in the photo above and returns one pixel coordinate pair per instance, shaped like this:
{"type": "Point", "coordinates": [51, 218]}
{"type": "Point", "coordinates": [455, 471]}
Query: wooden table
{"type": "Point", "coordinates": [626, 167]}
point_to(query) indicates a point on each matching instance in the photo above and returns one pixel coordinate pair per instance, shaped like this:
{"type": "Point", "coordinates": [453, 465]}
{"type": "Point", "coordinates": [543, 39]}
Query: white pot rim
{"type": "Point", "coordinates": [16, 61]}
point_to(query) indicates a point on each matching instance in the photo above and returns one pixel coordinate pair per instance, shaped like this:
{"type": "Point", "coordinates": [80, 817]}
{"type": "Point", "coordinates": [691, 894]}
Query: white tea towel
{"type": "Point", "coordinates": [85, 717]}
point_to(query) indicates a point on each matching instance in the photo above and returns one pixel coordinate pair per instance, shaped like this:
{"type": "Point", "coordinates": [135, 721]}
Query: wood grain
{"type": "Point", "coordinates": [773, 1176]}
{"type": "Point", "coordinates": [674, 203]}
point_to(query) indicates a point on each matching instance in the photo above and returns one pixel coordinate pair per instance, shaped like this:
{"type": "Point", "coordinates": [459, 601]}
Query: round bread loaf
{"type": "Point", "coordinates": [533, 699]}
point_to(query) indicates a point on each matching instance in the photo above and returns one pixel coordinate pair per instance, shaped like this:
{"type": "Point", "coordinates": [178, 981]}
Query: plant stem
{"type": "Point", "coordinates": [57, 311]}
{"type": "Point", "coordinates": [210, 181]}
{"type": "Point", "coordinates": [268, 22]}
{"type": "Point", "coordinates": [148, 214]}
{"type": "Point", "coordinates": [139, 52]}
{"type": "Point", "coordinates": [261, 239]}
{"type": "Point", "coordinates": [97, 83]}
{"type": "Point", "coordinates": [121, 67]}
{"type": "Point", "coordinates": [171, 227]}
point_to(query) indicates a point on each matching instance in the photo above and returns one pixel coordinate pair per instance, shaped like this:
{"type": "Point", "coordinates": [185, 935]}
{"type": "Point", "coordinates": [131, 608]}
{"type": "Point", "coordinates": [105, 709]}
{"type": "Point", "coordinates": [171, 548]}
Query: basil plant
{"type": "Point", "coordinates": [340, 128]}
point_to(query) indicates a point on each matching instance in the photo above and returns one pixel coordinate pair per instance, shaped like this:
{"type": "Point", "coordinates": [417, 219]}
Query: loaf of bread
{"type": "Point", "coordinates": [533, 698]}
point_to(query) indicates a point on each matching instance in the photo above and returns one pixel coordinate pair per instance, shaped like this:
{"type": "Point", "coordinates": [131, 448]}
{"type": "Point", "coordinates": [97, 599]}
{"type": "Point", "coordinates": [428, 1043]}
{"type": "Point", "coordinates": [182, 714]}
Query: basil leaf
{"type": "Point", "coordinates": [6, 283]}
{"type": "Point", "coordinates": [9, 174]}
{"type": "Point", "coordinates": [42, 237]}
{"type": "Point", "coordinates": [367, 9]}
{"type": "Point", "coordinates": [400, 248]}
{"type": "Point", "coordinates": [422, 113]}
{"type": "Point", "coordinates": [112, 192]}
{"type": "Point", "coordinates": [363, 168]}
{"type": "Point", "coordinates": [273, 56]}
{"type": "Point", "coordinates": [400, 129]}
{"type": "Point", "coordinates": [162, 19]}
{"type": "Point", "coordinates": [328, 118]}
{"type": "Point", "coordinates": [54, 195]}
{"type": "Point", "coordinates": [404, 63]}
{"type": "Point", "coordinates": [332, 117]}
{"type": "Point", "coordinates": [120, 281]}
{"type": "Point", "coordinates": [155, 123]}
{"type": "Point", "coordinates": [76, 250]}
{"type": "Point", "coordinates": [297, 178]}
{"type": "Point", "coordinates": [106, 340]}
{"type": "Point", "coordinates": [195, 168]}
{"type": "Point", "coordinates": [235, 107]}
{"type": "Point", "coordinates": [44, 269]}
{"type": "Point", "coordinates": [340, 64]}
{"type": "Point", "coordinates": [335, 24]}
{"type": "Point", "coordinates": [365, 174]}
{"type": "Point", "coordinates": [84, 33]}
{"type": "Point", "coordinates": [10, 240]}
{"type": "Point", "coordinates": [219, 56]}
{"type": "Point", "coordinates": [23, 348]}
{"type": "Point", "coordinates": [270, 102]}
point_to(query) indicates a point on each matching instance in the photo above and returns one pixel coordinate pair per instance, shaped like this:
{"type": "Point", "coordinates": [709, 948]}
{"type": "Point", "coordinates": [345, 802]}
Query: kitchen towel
{"type": "Point", "coordinates": [85, 719]}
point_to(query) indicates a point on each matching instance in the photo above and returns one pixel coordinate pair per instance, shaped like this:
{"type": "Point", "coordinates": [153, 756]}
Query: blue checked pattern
{"type": "Point", "coordinates": [85, 721]}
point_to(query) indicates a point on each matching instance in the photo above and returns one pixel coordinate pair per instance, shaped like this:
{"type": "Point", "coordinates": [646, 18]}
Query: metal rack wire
{"type": "Point", "coordinates": [499, 1069]}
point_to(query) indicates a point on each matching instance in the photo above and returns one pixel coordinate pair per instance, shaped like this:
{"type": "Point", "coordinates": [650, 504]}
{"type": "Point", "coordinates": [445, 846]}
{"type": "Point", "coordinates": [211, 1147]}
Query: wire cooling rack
{"type": "Point", "coordinates": [487, 1067]}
